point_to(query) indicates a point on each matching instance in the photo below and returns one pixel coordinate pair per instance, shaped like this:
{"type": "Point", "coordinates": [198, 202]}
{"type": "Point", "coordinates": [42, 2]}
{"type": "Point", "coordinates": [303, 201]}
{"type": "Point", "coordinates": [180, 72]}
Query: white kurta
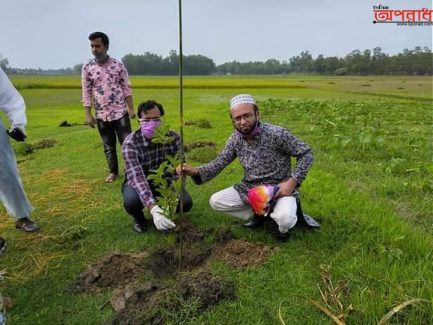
{"type": "Point", "coordinates": [11, 190]}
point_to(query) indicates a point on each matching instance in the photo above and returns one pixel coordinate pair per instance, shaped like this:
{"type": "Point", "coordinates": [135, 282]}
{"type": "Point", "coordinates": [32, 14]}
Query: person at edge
{"type": "Point", "coordinates": [11, 189]}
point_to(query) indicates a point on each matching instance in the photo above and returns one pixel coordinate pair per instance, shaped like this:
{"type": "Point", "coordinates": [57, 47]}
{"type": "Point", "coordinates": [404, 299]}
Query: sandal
{"type": "Point", "coordinates": [111, 178]}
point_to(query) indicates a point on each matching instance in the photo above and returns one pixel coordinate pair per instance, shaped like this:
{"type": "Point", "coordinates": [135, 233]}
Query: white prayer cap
{"type": "Point", "coordinates": [241, 99]}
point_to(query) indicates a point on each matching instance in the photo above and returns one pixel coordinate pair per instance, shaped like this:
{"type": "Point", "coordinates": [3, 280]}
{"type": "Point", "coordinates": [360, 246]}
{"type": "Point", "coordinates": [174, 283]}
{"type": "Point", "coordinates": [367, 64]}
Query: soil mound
{"type": "Point", "coordinates": [165, 262]}
{"type": "Point", "coordinates": [152, 303]}
{"type": "Point", "coordinates": [112, 271]}
{"type": "Point", "coordinates": [241, 253]}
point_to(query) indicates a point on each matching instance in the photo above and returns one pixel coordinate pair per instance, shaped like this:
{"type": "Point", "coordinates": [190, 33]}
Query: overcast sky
{"type": "Point", "coordinates": [53, 33]}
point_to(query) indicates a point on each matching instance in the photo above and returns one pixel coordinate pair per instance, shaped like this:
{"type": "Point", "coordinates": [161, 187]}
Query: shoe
{"type": "Point", "coordinates": [110, 178]}
{"type": "Point", "coordinates": [140, 227]}
{"type": "Point", "coordinates": [2, 245]}
{"type": "Point", "coordinates": [25, 224]}
{"type": "Point", "coordinates": [255, 222]}
{"type": "Point", "coordinates": [280, 236]}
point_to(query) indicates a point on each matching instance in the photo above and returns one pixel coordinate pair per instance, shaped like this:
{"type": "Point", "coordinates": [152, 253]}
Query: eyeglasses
{"type": "Point", "coordinates": [145, 120]}
{"type": "Point", "coordinates": [247, 116]}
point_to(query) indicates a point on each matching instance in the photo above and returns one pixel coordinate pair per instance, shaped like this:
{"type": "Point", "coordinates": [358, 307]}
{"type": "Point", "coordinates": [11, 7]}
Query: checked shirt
{"type": "Point", "coordinates": [141, 156]}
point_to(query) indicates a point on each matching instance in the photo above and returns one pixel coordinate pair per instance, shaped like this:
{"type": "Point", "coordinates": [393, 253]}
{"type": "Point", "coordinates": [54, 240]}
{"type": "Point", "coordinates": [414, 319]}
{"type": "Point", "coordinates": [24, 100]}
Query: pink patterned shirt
{"type": "Point", "coordinates": [106, 86]}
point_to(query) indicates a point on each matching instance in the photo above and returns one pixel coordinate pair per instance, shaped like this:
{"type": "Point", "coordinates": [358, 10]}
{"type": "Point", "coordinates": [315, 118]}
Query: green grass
{"type": "Point", "coordinates": [371, 187]}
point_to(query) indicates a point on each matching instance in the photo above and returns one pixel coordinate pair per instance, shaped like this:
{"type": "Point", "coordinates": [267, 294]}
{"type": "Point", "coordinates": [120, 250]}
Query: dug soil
{"type": "Point", "coordinates": [152, 288]}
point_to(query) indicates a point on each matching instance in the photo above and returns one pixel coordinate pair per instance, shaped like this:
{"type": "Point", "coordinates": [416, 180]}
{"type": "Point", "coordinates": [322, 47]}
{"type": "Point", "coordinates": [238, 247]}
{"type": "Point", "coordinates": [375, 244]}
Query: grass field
{"type": "Point", "coordinates": [371, 187]}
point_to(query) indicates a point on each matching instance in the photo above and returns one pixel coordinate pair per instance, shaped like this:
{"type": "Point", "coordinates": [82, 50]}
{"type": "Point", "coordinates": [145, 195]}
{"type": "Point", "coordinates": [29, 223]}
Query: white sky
{"type": "Point", "coordinates": [53, 33]}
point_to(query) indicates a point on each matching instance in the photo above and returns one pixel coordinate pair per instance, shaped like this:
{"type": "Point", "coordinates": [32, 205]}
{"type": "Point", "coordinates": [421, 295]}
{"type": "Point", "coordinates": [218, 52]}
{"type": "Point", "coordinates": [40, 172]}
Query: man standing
{"type": "Point", "coordinates": [265, 152]}
{"type": "Point", "coordinates": [105, 83]}
{"type": "Point", "coordinates": [141, 156]}
{"type": "Point", "coordinates": [11, 189]}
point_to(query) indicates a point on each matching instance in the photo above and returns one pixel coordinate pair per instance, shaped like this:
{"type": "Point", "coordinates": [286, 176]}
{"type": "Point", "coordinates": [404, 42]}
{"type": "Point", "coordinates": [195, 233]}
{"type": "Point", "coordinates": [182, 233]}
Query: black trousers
{"type": "Point", "coordinates": [108, 132]}
{"type": "Point", "coordinates": [134, 207]}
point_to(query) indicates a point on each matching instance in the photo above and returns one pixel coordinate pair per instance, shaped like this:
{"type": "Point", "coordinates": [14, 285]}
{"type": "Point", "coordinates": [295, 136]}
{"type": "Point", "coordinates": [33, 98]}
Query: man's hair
{"type": "Point", "coordinates": [147, 106]}
{"type": "Point", "coordinates": [101, 35]}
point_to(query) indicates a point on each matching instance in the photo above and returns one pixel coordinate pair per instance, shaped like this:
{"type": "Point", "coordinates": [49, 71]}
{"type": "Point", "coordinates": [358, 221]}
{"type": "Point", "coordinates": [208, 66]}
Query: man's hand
{"type": "Point", "coordinates": [130, 105]}
{"type": "Point", "coordinates": [286, 188]}
{"type": "Point", "coordinates": [160, 220]}
{"type": "Point", "coordinates": [17, 134]}
{"type": "Point", "coordinates": [90, 120]}
{"type": "Point", "coordinates": [131, 113]}
{"type": "Point", "coordinates": [187, 170]}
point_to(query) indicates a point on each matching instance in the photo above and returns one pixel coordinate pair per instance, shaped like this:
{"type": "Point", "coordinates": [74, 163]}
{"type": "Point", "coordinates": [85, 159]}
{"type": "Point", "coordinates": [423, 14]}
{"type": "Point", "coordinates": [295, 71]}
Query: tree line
{"type": "Point", "coordinates": [417, 61]}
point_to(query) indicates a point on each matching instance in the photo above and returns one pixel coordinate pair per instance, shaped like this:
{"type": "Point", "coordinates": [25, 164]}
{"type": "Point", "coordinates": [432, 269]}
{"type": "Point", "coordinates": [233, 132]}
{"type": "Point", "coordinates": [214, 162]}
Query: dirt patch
{"type": "Point", "coordinates": [165, 262]}
{"type": "Point", "coordinates": [65, 123]}
{"type": "Point", "coordinates": [170, 296]}
{"type": "Point", "coordinates": [201, 151]}
{"type": "Point", "coordinates": [28, 148]}
{"type": "Point", "coordinates": [242, 253]}
{"type": "Point", "coordinates": [190, 233]}
{"type": "Point", "coordinates": [205, 288]}
{"type": "Point", "coordinates": [199, 144]}
{"type": "Point", "coordinates": [202, 155]}
{"type": "Point", "coordinates": [202, 123]}
{"type": "Point", "coordinates": [223, 236]}
{"type": "Point", "coordinates": [24, 149]}
{"type": "Point", "coordinates": [44, 143]}
{"type": "Point", "coordinates": [114, 270]}
{"type": "Point", "coordinates": [142, 305]}
{"type": "Point", "coordinates": [152, 303]}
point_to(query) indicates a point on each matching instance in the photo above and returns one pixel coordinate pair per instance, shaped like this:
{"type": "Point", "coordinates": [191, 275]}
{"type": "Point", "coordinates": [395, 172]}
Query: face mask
{"type": "Point", "coordinates": [148, 128]}
{"type": "Point", "coordinates": [101, 58]}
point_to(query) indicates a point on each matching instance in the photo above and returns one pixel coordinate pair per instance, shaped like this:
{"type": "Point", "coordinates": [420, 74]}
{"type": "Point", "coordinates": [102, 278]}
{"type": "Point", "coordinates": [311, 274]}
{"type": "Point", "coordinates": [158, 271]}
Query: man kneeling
{"type": "Point", "coordinates": [140, 157]}
{"type": "Point", "coordinates": [264, 151]}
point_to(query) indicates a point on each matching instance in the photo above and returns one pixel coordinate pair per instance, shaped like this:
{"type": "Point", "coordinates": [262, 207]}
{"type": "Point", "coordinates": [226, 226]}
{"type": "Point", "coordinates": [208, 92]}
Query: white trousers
{"type": "Point", "coordinates": [11, 189]}
{"type": "Point", "coordinates": [229, 202]}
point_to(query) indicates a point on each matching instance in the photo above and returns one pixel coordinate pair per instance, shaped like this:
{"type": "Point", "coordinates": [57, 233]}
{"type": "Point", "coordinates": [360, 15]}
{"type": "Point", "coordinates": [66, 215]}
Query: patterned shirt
{"type": "Point", "coordinates": [267, 160]}
{"type": "Point", "coordinates": [107, 85]}
{"type": "Point", "coordinates": [140, 157]}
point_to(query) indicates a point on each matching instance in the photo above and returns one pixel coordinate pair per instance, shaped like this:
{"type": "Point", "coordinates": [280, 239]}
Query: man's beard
{"type": "Point", "coordinates": [251, 130]}
{"type": "Point", "coordinates": [101, 58]}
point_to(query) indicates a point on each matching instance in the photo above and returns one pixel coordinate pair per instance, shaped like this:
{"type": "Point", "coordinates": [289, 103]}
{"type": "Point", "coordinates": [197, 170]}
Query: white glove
{"type": "Point", "coordinates": [160, 220]}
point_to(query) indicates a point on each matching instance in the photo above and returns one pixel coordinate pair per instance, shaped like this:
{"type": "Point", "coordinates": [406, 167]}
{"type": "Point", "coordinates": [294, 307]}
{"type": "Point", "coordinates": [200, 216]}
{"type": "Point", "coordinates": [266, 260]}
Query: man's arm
{"type": "Point", "coordinates": [12, 103]}
{"type": "Point", "coordinates": [125, 84]}
{"type": "Point", "coordinates": [210, 170]}
{"type": "Point", "coordinates": [304, 160]}
{"type": "Point", "coordinates": [86, 88]}
{"type": "Point", "coordinates": [90, 120]}
{"type": "Point", "coordinates": [130, 105]}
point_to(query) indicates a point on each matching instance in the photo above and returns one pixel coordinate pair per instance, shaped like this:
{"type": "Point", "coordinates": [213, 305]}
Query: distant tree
{"type": "Point", "coordinates": [302, 63]}
{"type": "Point", "coordinates": [319, 65]}
{"type": "Point", "coordinates": [198, 65]}
{"type": "Point", "coordinates": [76, 69]}
{"type": "Point", "coordinates": [332, 64]}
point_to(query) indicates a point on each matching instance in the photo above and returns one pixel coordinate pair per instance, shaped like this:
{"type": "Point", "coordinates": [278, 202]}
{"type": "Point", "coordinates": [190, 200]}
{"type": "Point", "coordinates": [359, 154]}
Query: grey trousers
{"type": "Point", "coordinates": [11, 189]}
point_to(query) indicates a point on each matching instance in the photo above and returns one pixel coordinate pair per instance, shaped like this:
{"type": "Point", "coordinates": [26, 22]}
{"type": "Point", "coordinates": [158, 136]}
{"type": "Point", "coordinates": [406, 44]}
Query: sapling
{"type": "Point", "coordinates": [167, 184]}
